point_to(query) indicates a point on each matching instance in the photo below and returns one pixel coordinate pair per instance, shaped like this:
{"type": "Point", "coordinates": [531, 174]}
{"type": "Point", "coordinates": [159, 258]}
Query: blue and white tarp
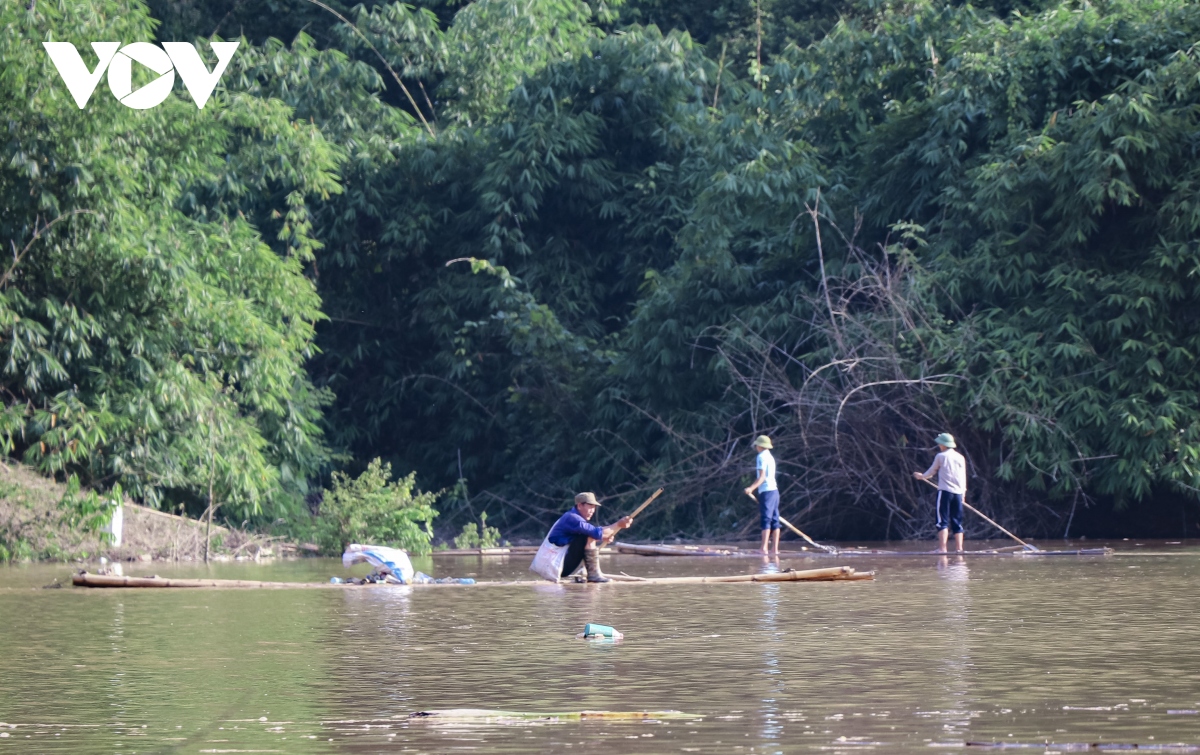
{"type": "Point", "coordinates": [387, 561]}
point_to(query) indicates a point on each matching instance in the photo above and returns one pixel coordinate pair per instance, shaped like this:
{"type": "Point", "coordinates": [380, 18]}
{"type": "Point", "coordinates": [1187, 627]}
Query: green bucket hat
{"type": "Point", "coordinates": [763, 441]}
{"type": "Point", "coordinates": [586, 498]}
{"type": "Point", "coordinates": [945, 439]}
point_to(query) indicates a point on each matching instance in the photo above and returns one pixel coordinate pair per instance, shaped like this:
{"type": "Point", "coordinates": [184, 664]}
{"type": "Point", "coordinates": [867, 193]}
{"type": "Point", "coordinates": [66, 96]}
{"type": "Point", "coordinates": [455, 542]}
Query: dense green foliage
{"type": "Point", "coordinates": [563, 246]}
{"type": "Point", "coordinates": [150, 336]}
{"type": "Point", "coordinates": [1053, 162]}
{"type": "Point", "coordinates": [373, 509]}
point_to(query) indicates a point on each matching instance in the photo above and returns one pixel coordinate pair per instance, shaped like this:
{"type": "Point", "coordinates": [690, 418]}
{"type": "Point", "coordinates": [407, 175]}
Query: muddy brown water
{"type": "Point", "coordinates": [1065, 650]}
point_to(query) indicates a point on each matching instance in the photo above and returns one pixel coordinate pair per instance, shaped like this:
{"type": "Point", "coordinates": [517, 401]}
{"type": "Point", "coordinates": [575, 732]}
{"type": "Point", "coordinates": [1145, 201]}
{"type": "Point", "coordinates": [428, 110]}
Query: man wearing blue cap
{"type": "Point", "coordinates": [951, 469]}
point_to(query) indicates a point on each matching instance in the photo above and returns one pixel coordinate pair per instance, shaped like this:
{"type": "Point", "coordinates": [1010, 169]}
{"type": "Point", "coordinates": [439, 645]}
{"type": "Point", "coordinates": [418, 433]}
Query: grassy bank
{"type": "Point", "coordinates": [35, 526]}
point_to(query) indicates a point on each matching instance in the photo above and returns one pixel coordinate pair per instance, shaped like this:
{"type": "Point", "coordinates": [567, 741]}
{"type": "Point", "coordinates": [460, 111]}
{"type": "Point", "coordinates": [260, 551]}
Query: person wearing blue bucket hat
{"type": "Point", "coordinates": [768, 492]}
{"type": "Point", "coordinates": [951, 470]}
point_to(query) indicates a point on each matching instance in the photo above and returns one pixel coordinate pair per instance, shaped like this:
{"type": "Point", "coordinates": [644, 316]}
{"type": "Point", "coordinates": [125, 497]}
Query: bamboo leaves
{"type": "Point", "coordinates": [150, 337]}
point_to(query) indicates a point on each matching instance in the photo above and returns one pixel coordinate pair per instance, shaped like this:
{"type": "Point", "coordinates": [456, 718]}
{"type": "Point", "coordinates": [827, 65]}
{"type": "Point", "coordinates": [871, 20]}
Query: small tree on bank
{"type": "Point", "coordinates": [373, 509]}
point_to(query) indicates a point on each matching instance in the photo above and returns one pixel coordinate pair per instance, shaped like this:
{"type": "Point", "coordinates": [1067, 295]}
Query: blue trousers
{"type": "Point", "coordinates": [768, 509]}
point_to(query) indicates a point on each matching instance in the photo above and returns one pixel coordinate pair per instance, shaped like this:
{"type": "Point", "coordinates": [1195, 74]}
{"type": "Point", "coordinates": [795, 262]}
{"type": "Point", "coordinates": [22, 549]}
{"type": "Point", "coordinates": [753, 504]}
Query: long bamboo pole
{"type": "Point", "coordinates": [636, 511]}
{"type": "Point", "coordinates": [793, 528]}
{"type": "Point", "coordinates": [646, 503]}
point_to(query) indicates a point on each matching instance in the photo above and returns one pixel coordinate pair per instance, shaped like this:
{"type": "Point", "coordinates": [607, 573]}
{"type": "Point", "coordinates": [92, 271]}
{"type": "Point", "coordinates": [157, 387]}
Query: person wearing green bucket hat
{"type": "Point", "coordinates": [951, 469]}
{"type": "Point", "coordinates": [768, 492]}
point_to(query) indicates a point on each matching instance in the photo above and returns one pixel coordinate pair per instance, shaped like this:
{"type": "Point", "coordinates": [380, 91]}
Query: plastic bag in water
{"type": "Point", "coordinates": [386, 560]}
{"type": "Point", "coordinates": [421, 578]}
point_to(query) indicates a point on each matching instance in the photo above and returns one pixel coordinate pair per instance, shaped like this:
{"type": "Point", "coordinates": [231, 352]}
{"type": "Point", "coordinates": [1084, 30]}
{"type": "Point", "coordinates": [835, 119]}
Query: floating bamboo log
{"type": "Point", "coordinates": [1018, 553]}
{"type": "Point", "coordinates": [105, 580]}
{"type": "Point", "coordinates": [730, 551]}
{"type": "Point", "coordinates": [810, 575]}
{"type": "Point", "coordinates": [505, 551]}
{"type": "Point", "coordinates": [834, 573]}
{"type": "Point", "coordinates": [677, 550]}
{"type": "Point", "coordinates": [504, 716]}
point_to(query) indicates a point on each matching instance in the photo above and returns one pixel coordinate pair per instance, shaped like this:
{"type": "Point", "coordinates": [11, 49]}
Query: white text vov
{"type": "Point", "coordinates": [118, 61]}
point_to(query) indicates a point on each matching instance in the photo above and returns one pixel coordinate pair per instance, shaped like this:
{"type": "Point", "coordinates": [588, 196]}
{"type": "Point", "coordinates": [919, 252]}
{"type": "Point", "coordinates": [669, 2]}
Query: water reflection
{"type": "Point", "coordinates": [953, 651]}
{"type": "Point", "coordinates": [772, 644]}
{"type": "Point", "coordinates": [117, 695]}
{"type": "Point", "coordinates": [384, 616]}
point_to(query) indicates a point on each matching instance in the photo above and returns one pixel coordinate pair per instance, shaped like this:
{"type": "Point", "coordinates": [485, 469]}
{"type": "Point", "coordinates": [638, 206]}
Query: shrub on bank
{"type": "Point", "coordinates": [478, 536]}
{"type": "Point", "coordinates": [373, 509]}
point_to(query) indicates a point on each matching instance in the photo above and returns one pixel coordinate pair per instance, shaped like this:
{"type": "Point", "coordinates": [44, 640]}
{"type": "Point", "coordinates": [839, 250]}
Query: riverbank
{"type": "Point", "coordinates": [33, 528]}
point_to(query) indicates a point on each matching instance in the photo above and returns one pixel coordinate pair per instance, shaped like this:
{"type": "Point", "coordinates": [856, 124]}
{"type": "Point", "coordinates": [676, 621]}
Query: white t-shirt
{"type": "Point", "coordinates": [766, 461]}
{"type": "Point", "coordinates": [952, 471]}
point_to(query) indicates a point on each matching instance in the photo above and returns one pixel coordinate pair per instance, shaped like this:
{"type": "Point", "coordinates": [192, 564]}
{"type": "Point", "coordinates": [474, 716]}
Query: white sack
{"type": "Point", "coordinates": [548, 562]}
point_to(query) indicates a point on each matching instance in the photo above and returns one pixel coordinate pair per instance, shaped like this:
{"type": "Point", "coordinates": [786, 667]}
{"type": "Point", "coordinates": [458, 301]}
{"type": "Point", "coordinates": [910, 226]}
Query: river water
{"type": "Point", "coordinates": [1014, 651]}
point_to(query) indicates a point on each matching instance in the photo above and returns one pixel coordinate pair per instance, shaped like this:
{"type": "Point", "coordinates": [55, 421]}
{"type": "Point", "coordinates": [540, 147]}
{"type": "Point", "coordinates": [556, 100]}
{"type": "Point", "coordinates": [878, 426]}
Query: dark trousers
{"type": "Point", "coordinates": [949, 511]}
{"type": "Point", "coordinates": [574, 558]}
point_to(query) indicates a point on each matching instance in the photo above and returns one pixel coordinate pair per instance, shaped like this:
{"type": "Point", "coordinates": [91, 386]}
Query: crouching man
{"type": "Point", "coordinates": [582, 539]}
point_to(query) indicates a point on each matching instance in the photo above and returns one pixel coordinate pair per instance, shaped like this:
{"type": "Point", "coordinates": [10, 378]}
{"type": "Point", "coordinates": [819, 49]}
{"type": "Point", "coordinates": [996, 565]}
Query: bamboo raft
{"type": "Point", "coordinates": [735, 552]}
{"type": "Point", "coordinates": [1015, 551]}
{"type": "Point", "coordinates": [831, 574]}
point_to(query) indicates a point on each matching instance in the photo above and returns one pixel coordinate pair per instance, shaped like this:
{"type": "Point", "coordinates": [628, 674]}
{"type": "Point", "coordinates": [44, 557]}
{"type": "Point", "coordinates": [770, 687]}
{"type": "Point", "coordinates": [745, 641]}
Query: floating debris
{"type": "Point", "coordinates": [599, 632]}
{"type": "Point", "coordinates": [505, 716]}
{"type": "Point", "coordinates": [1090, 746]}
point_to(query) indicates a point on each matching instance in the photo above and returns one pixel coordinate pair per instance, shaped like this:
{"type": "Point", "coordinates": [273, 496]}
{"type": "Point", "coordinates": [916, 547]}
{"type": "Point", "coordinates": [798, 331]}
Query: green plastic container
{"type": "Point", "coordinates": [599, 630]}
